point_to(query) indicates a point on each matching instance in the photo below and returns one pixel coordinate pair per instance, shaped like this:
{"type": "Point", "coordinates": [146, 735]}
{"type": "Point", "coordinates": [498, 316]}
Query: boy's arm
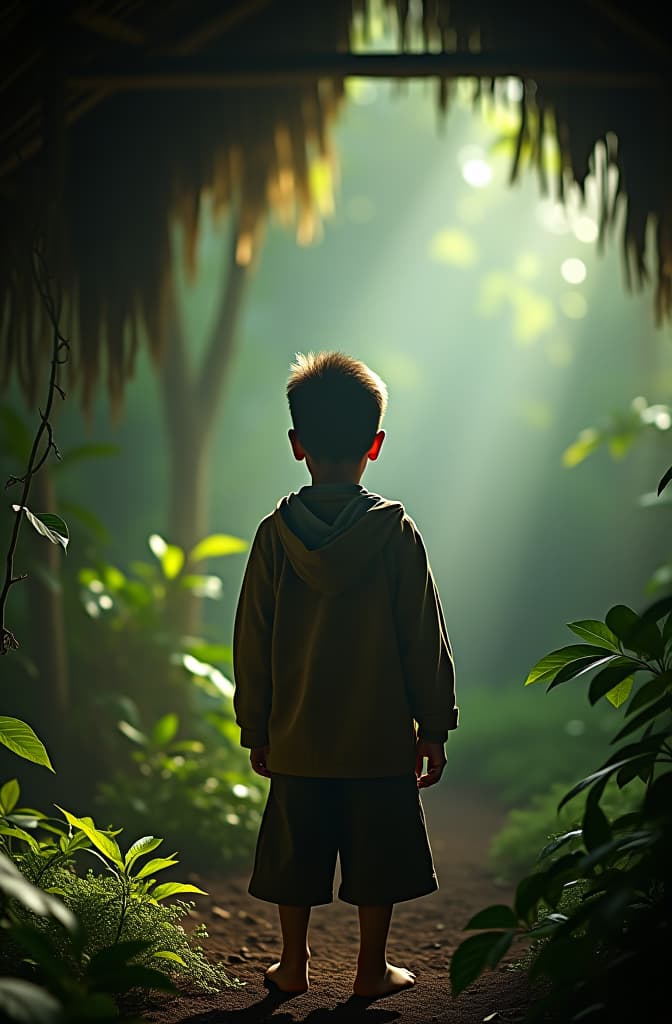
{"type": "Point", "coordinates": [252, 634]}
{"type": "Point", "coordinates": [424, 646]}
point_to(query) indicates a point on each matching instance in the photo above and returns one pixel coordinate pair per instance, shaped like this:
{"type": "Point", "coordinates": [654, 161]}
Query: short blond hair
{"type": "Point", "coordinates": [337, 404]}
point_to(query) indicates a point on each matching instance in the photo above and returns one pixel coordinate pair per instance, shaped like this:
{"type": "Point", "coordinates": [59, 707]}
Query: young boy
{"type": "Point", "coordinates": [344, 681]}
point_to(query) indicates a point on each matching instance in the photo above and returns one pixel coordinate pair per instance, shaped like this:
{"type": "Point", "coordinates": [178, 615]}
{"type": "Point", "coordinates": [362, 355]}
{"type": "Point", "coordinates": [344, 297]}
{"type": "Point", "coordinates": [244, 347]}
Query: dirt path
{"type": "Point", "coordinates": [244, 934]}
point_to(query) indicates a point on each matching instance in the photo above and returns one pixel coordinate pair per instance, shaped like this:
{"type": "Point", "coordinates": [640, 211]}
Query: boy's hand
{"type": "Point", "coordinates": [436, 760]}
{"type": "Point", "coordinates": [258, 757]}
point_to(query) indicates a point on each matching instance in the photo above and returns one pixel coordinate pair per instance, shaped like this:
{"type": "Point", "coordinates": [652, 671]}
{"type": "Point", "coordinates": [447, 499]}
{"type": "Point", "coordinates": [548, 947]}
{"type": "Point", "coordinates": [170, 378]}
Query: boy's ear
{"type": "Point", "coordinates": [297, 447]}
{"type": "Point", "coordinates": [374, 450]}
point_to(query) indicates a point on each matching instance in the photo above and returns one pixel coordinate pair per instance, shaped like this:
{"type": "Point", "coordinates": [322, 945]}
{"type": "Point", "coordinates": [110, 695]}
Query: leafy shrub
{"type": "Point", "coordinates": [514, 850]}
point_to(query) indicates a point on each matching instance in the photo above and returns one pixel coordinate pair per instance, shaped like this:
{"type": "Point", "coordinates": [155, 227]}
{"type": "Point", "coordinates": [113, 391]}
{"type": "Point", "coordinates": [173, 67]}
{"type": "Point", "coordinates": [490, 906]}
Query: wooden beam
{"type": "Point", "coordinates": [104, 25]}
{"type": "Point", "coordinates": [259, 71]}
{"type": "Point", "coordinates": [215, 27]}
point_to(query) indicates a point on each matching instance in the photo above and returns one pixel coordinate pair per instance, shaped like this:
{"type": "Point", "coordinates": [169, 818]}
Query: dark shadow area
{"type": "Point", "coordinates": [355, 1009]}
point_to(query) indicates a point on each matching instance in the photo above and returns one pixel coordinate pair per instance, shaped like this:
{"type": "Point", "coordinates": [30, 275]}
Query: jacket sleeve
{"type": "Point", "coordinates": [424, 647]}
{"type": "Point", "coordinates": [252, 635]}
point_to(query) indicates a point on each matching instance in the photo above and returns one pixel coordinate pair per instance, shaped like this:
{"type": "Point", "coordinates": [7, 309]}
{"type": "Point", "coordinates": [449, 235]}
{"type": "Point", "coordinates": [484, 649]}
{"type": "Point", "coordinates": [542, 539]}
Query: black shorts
{"type": "Point", "coordinates": [376, 826]}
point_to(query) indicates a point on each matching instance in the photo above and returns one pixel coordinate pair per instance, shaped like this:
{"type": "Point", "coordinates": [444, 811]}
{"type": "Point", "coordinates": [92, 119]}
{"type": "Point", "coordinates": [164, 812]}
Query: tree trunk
{"type": "Point", "coordinates": [191, 397]}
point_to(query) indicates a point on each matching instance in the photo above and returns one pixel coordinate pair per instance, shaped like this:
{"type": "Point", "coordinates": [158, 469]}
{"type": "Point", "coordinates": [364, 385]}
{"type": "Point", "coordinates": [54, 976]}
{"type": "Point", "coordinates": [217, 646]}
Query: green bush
{"type": "Point", "coordinates": [514, 850]}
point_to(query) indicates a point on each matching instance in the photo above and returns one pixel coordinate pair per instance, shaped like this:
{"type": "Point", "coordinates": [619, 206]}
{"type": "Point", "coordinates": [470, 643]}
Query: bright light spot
{"type": "Point", "coordinates": [552, 216]}
{"type": "Point", "coordinates": [91, 608]}
{"type": "Point", "coordinates": [196, 667]}
{"type": "Point", "coordinates": [224, 685]}
{"type": "Point", "coordinates": [585, 229]}
{"type": "Point", "coordinates": [105, 602]}
{"type": "Point", "coordinates": [360, 210]}
{"type": "Point", "coordinates": [573, 305]}
{"type": "Point", "coordinates": [232, 819]}
{"type": "Point", "coordinates": [663, 420]}
{"type": "Point", "coordinates": [96, 586]}
{"type": "Point", "coordinates": [528, 265]}
{"type": "Point", "coordinates": [361, 90]}
{"type": "Point", "coordinates": [244, 250]}
{"type": "Point", "coordinates": [514, 89]}
{"type": "Point", "coordinates": [639, 404]}
{"type": "Point", "coordinates": [573, 270]}
{"type": "Point", "coordinates": [240, 791]}
{"type": "Point", "coordinates": [454, 247]}
{"type": "Point", "coordinates": [157, 545]}
{"type": "Point", "coordinates": [575, 727]}
{"type": "Point", "coordinates": [210, 784]}
{"type": "Point", "coordinates": [477, 172]}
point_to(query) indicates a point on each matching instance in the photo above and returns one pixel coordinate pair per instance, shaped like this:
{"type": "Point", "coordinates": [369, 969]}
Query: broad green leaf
{"type": "Point", "coordinates": [658, 610]}
{"type": "Point", "coordinates": [496, 916]}
{"type": "Point", "coordinates": [586, 443]}
{"type": "Point", "coordinates": [528, 893]}
{"type": "Point", "coordinates": [474, 955]}
{"type": "Point", "coordinates": [161, 892]}
{"type": "Point", "coordinates": [648, 714]}
{"type": "Point", "coordinates": [595, 826]}
{"type": "Point", "coordinates": [167, 954]}
{"type": "Point", "coordinates": [86, 451]}
{"type": "Point", "coordinates": [154, 865]}
{"type": "Point", "coordinates": [609, 678]}
{"type": "Point", "coordinates": [557, 843]}
{"type": "Point", "coordinates": [636, 633]}
{"type": "Point", "coordinates": [18, 737]}
{"type": "Point", "coordinates": [579, 668]}
{"type": "Point", "coordinates": [116, 956]}
{"type": "Point", "coordinates": [212, 653]}
{"type": "Point", "coordinates": [216, 545]}
{"type": "Point", "coordinates": [597, 776]}
{"type": "Point", "coordinates": [595, 632]}
{"type": "Point", "coordinates": [47, 525]}
{"type": "Point", "coordinates": [140, 847]}
{"type": "Point", "coordinates": [15, 885]}
{"type": "Point", "coordinates": [546, 669]}
{"type": "Point", "coordinates": [164, 730]}
{"type": "Point", "coordinates": [24, 1001]}
{"type": "Point", "coordinates": [107, 846]}
{"type": "Point", "coordinates": [621, 620]}
{"type": "Point", "coordinates": [172, 561]}
{"type": "Point", "coordinates": [14, 832]}
{"type": "Point", "coordinates": [620, 693]}
{"type": "Point", "coordinates": [9, 796]}
{"type": "Point", "coordinates": [650, 691]}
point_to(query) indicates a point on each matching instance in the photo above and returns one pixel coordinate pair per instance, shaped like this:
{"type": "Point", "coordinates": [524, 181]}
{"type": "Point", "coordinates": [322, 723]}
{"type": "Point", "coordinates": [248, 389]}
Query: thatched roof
{"type": "Point", "coordinates": [117, 114]}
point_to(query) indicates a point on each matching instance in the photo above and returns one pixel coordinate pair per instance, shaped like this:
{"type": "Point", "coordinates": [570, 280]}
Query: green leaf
{"type": "Point", "coordinates": [154, 865]}
{"type": "Point", "coordinates": [212, 653]}
{"type": "Point", "coordinates": [546, 669]}
{"type": "Point", "coordinates": [161, 892]}
{"type": "Point", "coordinates": [621, 620]}
{"type": "Point", "coordinates": [595, 827]}
{"type": "Point", "coordinates": [609, 678]}
{"type": "Point", "coordinates": [648, 714]}
{"type": "Point", "coordinates": [636, 633]}
{"type": "Point", "coordinates": [9, 796]}
{"type": "Point", "coordinates": [107, 846]}
{"type": "Point", "coordinates": [664, 481]}
{"type": "Point", "coordinates": [26, 1003]}
{"type": "Point", "coordinates": [496, 916]}
{"type": "Point", "coordinates": [474, 955]}
{"type": "Point", "coordinates": [164, 729]}
{"type": "Point", "coordinates": [559, 841]}
{"type": "Point", "coordinates": [528, 893]}
{"type": "Point", "coordinates": [172, 561]}
{"type": "Point", "coordinates": [579, 668]}
{"type": "Point", "coordinates": [167, 954]}
{"type": "Point", "coordinates": [650, 691]}
{"type": "Point", "coordinates": [15, 885]}
{"type": "Point", "coordinates": [658, 610]}
{"type": "Point", "coordinates": [86, 451]}
{"type": "Point", "coordinates": [18, 737]}
{"type": "Point", "coordinates": [594, 777]}
{"type": "Point", "coordinates": [595, 632]}
{"type": "Point", "coordinates": [202, 585]}
{"type": "Point", "coordinates": [47, 525]}
{"type": "Point", "coordinates": [620, 693]}
{"type": "Point", "coordinates": [217, 545]}
{"type": "Point", "coordinates": [131, 733]}
{"type": "Point", "coordinates": [140, 847]}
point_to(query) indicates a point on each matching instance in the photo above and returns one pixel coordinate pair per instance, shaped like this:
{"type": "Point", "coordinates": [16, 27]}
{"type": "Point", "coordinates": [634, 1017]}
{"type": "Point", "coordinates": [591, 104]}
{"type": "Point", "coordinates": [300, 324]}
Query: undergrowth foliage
{"type": "Point", "coordinates": [595, 913]}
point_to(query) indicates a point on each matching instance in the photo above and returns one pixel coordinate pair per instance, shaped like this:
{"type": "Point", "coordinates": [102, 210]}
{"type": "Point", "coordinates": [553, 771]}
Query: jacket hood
{"type": "Point", "coordinates": [329, 557]}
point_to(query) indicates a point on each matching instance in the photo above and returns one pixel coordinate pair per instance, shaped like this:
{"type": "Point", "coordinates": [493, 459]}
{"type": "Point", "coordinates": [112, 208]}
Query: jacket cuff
{"type": "Point", "coordinates": [253, 738]}
{"type": "Point", "coordinates": [437, 731]}
{"type": "Point", "coordinates": [432, 735]}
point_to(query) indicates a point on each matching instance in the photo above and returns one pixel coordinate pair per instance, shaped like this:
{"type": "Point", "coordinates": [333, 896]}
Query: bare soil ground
{"type": "Point", "coordinates": [244, 934]}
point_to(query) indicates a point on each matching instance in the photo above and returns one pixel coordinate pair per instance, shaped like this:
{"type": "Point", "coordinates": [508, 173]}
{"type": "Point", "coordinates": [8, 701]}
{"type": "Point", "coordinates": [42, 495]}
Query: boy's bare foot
{"type": "Point", "coordinates": [288, 978]}
{"type": "Point", "coordinates": [393, 979]}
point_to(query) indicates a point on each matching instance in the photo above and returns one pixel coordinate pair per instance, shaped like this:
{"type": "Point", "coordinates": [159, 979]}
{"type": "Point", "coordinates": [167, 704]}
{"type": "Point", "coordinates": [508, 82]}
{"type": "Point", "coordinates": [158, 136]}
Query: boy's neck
{"type": "Point", "coordinates": [335, 472]}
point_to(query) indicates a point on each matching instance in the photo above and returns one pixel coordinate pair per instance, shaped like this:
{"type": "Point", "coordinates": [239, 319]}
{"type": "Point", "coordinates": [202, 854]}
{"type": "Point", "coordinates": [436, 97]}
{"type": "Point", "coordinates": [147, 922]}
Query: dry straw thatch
{"type": "Point", "coordinates": [109, 136]}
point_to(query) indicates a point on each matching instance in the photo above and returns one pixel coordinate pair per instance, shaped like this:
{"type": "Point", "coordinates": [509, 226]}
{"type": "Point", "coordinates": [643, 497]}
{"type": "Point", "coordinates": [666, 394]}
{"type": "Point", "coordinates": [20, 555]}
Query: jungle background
{"type": "Point", "coordinates": [528, 425]}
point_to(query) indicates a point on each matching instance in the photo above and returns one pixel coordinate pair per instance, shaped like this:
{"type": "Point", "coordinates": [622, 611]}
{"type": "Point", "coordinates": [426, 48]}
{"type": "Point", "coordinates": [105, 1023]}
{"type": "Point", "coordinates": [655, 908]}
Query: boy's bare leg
{"type": "Point", "coordinates": [375, 976]}
{"type": "Point", "coordinates": [290, 974]}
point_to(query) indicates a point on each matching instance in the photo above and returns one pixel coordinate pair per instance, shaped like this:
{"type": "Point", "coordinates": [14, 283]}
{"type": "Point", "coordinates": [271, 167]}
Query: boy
{"type": "Point", "coordinates": [344, 681]}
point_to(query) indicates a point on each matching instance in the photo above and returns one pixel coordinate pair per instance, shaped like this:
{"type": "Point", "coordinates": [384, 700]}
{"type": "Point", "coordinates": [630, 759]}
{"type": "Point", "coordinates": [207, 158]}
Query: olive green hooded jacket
{"type": "Point", "coordinates": [341, 654]}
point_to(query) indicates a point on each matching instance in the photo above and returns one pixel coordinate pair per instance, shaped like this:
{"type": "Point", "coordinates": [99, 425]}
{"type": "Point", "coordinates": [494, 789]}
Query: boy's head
{"type": "Point", "coordinates": [337, 404]}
